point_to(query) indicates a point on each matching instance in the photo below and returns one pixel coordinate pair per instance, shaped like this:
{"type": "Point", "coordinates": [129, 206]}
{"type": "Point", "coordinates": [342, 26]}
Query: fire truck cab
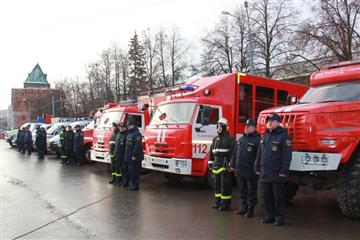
{"type": "Point", "coordinates": [103, 131]}
{"type": "Point", "coordinates": [179, 136]}
{"type": "Point", "coordinates": [325, 130]}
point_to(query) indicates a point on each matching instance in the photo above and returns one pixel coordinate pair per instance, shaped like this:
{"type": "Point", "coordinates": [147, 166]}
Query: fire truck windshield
{"type": "Point", "coordinates": [108, 118]}
{"type": "Point", "coordinates": [342, 92]}
{"type": "Point", "coordinates": [173, 113]}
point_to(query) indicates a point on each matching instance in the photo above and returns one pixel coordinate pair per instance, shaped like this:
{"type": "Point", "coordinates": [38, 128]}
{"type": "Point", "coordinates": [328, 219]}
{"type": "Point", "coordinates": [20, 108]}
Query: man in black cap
{"type": "Point", "coordinates": [111, 152]}
{"type": "Point", "coordinates": [78, 145]}
{"type": "Point", "coordinates": [133, 153]}
{"type": "Point", "coordinates": [120, 146]}
{"type": "Point", "coordinates": [272, 165]}
{"type": "Point", "coordinates": [243, 160]}
{"type": "Point", "coordinates": [220, 155]}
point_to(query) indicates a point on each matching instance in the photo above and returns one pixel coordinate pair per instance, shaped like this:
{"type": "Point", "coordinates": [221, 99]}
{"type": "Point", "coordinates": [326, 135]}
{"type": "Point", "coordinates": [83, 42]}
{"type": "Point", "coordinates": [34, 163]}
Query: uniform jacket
{"type": "Point", "coordinates": [274, 155]}
{"type": "Point", "coordinates": [113, 140]}
{"type": "Point", "coordinates": [120, 146]}
{"type": "Point", "coordinates": [244, 155]}
{"type": "Point", "coordinates": [40, 139]}
{"type": "Point", "coordinates": [69, 140]}
{"type": "Point", "coordinates": [27, 136]}
{"type": "Point", "coordinates": [78, 140]}
{"type": "Point", "coordinates": [134, 145]}
{"type": "Point", "coordinates": [221, 150]}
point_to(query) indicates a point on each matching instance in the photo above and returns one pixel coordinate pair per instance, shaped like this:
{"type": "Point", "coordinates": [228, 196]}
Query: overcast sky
{"type": "Point", "coordinates": [63, 36]}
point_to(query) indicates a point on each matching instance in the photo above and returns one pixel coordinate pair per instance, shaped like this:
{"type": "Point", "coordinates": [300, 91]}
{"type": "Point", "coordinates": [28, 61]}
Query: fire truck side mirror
{"type": "Point", "coordinates": [290, 100]}
{"type": "Point", "coordinates": [205, 115]}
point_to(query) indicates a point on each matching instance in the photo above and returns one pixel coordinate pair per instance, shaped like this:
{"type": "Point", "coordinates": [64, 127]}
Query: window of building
{"type": "Point", "coordinates": [245, 106]}
{"type": "Point", "coordinates": [264, 99]}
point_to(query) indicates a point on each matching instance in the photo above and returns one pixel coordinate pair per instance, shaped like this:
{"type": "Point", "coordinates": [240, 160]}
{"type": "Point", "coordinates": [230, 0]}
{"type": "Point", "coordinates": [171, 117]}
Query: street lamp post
{"type": "Point", "coordinates": [251, 49]}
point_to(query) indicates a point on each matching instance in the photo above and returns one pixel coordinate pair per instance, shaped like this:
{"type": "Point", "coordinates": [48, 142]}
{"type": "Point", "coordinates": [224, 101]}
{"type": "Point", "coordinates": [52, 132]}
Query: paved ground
{"type": "Point", "coordinates": [77, 203]}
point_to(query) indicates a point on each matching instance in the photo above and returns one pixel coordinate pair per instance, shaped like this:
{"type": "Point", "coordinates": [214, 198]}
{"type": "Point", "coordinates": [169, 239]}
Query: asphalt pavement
{"type": "Point", "coordinates": [42, 199]}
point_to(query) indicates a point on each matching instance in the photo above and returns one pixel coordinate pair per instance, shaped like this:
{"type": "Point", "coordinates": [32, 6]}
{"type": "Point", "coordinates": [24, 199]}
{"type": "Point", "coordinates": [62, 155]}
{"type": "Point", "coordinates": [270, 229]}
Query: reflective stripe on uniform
{"type": "Point", "coordinates": [225, 197]}
{"type": "Point", "coordinates": [111, 155]}
{"type": "Point", "coordinates": [218, 195]}
{"type": "Point", "coordinates": [63, 156]}
{"type": "Point", "coordinates": [222, 150]}
{"type": "Point", "coordinates": [118, 174]}
{"type": "Point", "coordinates": [114, 174]}
{"type": "Point", "coordinates": [210, 162]}
{"type": "Point", "coordinates": [111, 142]}
{"type": "Point", "coordinates": [218, 171]}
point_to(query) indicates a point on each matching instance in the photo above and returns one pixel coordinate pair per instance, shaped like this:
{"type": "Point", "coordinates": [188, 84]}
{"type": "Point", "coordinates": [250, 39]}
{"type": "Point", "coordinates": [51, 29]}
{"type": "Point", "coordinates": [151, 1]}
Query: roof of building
{"type": "Point", "coordinates": [37, 76]}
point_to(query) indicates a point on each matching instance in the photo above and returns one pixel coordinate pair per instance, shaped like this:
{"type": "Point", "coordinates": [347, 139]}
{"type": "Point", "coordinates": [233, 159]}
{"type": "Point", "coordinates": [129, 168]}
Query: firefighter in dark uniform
{"type": "Point", "coordinates": [119, 154]}
{"type": "Point", "coordinates": [133, 153]}
{"type": "Point", "coordinates": [28, 141]}
{"type": "Point", "coordinates": [62, 145]}
{"type": "Point", "coordinates": [220, 155]}
{"type": "Point", "coordinates": [69, 145]}
{"type": "Point", "coordinates": [111, 152]}
{"type": "Point", "coordinates": [242, 162]}
{"type": "Point", "coordinates": [40, 142]}
{"type": "Point", "coordinates": [20, 141]}
{"type": "Point", "coordinates": [78, 145]}
{"type": "Point", "coordinates": [272, 165]}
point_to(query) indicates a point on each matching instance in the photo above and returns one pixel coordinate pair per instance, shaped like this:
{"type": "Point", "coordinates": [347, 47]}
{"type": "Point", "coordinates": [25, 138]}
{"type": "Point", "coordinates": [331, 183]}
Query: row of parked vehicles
{"type": "Point", "coordinates": [178, 126]}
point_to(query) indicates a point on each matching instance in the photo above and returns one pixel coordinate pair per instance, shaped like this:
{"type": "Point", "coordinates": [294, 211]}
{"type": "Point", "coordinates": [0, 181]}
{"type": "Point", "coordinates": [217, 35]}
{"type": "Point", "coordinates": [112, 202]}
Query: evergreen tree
{"type": "Point", "coordinates": [137, 68]}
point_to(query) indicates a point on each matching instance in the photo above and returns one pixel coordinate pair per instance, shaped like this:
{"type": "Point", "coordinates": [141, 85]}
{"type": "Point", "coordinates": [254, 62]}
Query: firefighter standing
{"type": "Point", "coordinates": [111, 152]}
{"type": "Point", "coordinates": [120, 146]}
{"type": "Point", "coordinates": [220, 156]}
{"type": "Point", "coordinates": [242, 162]}
{"type": "Point", "coordinates": [40, 142]}
{"type": "Point", "coordinates": [272, 165]}
{"type": "Point", "coordinates": [20, 140]}
{"type": "Point", "coordinates": [62, 145]}
{"type": "Point", "coordinates": [27, 138]}
{"type": "Point", "coordinates": [69, 145]}
{"type": "Point", "coordinates": [78, 145]}
{"type": "Point", "coordinates": [133, 154]}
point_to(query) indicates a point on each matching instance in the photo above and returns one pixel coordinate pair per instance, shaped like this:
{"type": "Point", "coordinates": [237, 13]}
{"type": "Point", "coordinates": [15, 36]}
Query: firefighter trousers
{"type": "Point", "coordinates": [113, 165]}
{"type": "Point", "coordinates": [222, 187]}
{"type": "Point", "coordinates": [274, 198]}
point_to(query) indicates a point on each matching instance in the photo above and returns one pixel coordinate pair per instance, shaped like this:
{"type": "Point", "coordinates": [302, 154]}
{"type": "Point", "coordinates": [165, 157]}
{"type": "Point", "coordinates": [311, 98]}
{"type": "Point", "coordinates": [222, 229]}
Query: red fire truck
{"type": "Point", "coordinates": [89, 129]}
{"type": "Point", "coordinates": [180, 133]}
{"type": "Point", "coordinates": [325, 128]}
{"type": "Point", "coordinates": [140, 110]}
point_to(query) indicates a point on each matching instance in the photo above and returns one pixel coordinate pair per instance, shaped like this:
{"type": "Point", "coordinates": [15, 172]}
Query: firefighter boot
{"type": "Point", "coordinates": [250, 212]}
{"type": "Point", "coordinates": [216, 204]}
{"type": "Point", "coordinates": [113, 180]}
{"type": "Point", "coordinates": [118, 181]}
{"type": "Point", "coordinates": [225, 206]}
{"type": "Point", "coordinates": [242, 211]}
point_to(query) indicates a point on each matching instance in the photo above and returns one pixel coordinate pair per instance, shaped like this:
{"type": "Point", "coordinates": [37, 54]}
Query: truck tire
{"type": "Point", "coordinates": [173, 178]}
{"type": "Point", "coordinates": [290, 191]}
{"type": "Point", "coordinates": [86, 154]}
{"type": "Point", "coordinates": [348, 189]}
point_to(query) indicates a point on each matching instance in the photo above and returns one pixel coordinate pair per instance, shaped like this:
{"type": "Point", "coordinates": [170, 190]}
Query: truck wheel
{"type": "Point", "coordinates": [209, 179]}
{"type": "Point", "coordinates": [86, 154]}
{"type": "Point", "coordinates": [173, 178]}
{"type": "Point", "coordinates": [348, 189]}
{"type": "Point", "coordinates": [290, 191]}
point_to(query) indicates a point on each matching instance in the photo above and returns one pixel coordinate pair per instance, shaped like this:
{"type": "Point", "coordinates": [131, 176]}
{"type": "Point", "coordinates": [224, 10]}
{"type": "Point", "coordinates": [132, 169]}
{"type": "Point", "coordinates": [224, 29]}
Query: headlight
{"type": "Point", "coordinates": [180, 163]}
{"type": "Point", "coordinates": [328, 142]}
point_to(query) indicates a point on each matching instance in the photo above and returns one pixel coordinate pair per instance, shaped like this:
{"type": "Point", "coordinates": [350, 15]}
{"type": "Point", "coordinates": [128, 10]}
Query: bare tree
{"type": "Point", "coordinates": [177, 49]}
{"type": "Point", "coordinates": [273, 23]}
{"type": "Point", "coordinates": [150, 43]}
{"type": "Point", "coordinates": [225, 47]}
{"type": "Point", "coordinates": [161, 55]}
{"type": "Point", "coordinates": [334, 30]}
